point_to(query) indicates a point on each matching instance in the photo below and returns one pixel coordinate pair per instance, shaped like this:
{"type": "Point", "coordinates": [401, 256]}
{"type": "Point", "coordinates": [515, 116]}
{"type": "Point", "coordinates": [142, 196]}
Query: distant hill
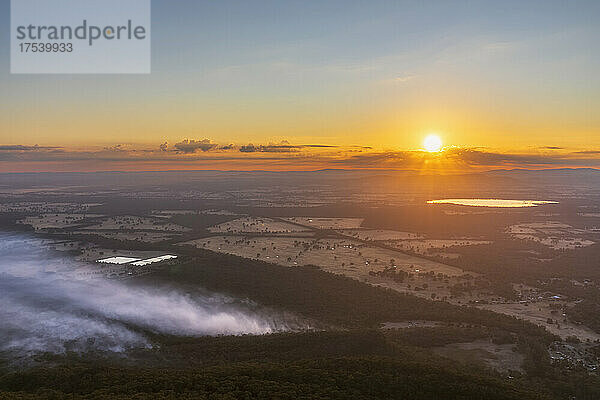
{"type": "Point", "coordinates": [361, 179]}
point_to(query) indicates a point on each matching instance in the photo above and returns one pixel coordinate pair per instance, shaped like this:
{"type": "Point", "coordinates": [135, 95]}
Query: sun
{"type": "Point", "coordinates": [432, 143]}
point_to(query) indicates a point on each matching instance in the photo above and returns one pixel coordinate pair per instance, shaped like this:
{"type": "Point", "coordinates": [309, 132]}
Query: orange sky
{"type": "Point", "coordinates": [504, 84]}
{"type": "Point", "coordinates": [206, 154]}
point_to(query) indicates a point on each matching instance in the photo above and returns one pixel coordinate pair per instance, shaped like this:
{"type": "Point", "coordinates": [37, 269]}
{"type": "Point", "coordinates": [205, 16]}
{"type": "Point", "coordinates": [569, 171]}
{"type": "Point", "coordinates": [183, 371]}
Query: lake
{"type": "Point", "coordinates": [501, 203]}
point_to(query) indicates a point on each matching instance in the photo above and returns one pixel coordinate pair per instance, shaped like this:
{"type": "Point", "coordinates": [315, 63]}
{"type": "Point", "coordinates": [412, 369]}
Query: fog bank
{"type": "Point", "coordinates": [43, 307]}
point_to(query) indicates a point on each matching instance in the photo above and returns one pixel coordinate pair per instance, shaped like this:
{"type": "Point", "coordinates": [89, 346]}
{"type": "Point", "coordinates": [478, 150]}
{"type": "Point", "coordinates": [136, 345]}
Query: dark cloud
{"type": "Point", "coordinates": [163, 146]}
{"type": "Point", "coordinates": [457, 158]}
{"type": "Point", "coordinates": [270, 148]}
{"type": "Point", "coordinates": [117, 147]}
{"type": "Point", "coordinates": [283, 147]}
{"type": "Point", "coordinates": [551, 148]}
{"type": "Point", "coordinates": [481, 157]}
{"type": "Point", "coordinates": [250, 148]}
{"type": "Point", "coordinates": [19, 147]}
{"type": "Point", "coordinates": [588, 152]}
{"type": "Point", "coordinates": [191, 146]}
{"type": "Point", "coordinates": [279, 148]}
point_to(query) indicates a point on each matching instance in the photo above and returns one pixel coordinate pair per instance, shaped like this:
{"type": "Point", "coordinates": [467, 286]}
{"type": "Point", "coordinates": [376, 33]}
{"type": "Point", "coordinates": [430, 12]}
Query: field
{"type": "Point", "coordinates": [139, 236]}
{"type": "Point", "coordinates": [134, 223]}
{"type": "Point", "coordinates": [342, 256]}
{"type": "Point", "coordinates": [427, 246]}
{"type": "Point", "coordinates": [541, 313]}
{"type": "Point", "coordinates": [327, 223]}
{"type": "Point", "coordinates": [170, 213]}
{"type": "Point", "coordinates": [44, 207]}
{"type": "Point", "coordinates": [53, 221]}
{"type": "Point", "coordinates": [256, 225]}
{"type": "Point", "coordinates": [554, 234]}
{"type": "Point", "coordinates": [91, 268]}
{"type": "Point", "coordinates": [370, 264]}
{"type": "Point", "coordinates": [379, 234]}
{"type": "Point", "coordinates": [381, 267]}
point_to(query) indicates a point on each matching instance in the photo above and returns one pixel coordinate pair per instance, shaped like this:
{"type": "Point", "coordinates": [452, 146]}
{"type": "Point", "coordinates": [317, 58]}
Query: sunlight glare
{"type": "Point", "coordinates": [432, 143]}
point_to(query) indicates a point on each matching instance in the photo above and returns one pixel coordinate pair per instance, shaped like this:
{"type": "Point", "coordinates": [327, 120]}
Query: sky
{"type": "Point", "coordinates": [323, 84]}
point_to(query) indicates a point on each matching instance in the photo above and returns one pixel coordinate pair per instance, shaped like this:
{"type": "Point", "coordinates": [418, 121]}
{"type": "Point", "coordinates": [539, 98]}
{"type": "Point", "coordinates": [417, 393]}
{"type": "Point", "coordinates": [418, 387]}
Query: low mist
{"type": "Point", "coordinates": [45, 308]}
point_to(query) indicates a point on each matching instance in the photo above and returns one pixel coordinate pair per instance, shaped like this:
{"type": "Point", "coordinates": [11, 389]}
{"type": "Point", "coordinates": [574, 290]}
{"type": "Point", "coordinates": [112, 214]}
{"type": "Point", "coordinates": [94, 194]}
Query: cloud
{"type": "Point", "coordinates": [46, 307]}
{"type": "Point", "coordinates": [551, 148]}
{"type": "Point", "coordinates": [593, 152]}
{"type": "Point", "coordinates": [250, 148]}
{"type": "Point", "coordinates": [398, 80]}
{"type": "Point", "coordinates": [117, 147]}
{"type": "Point", "coordinates": [481, 157]}
{"type": "Point", "coordinates": [201, 154]}
{"type": "Point", "coordinates": [191, 146]}
{"type": "Point", "coordinates": [283, 147]}
{"type": "Point", "coordinates": [271, 148]}
{"type": "Point", "coordinates": [403, 78]}
{"type": "Point", "coordinates": [319, 146]}
{"type": "Point", "coordinates": [459, 158]}
{"type": "Point", "coordinates": [20, 147]}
